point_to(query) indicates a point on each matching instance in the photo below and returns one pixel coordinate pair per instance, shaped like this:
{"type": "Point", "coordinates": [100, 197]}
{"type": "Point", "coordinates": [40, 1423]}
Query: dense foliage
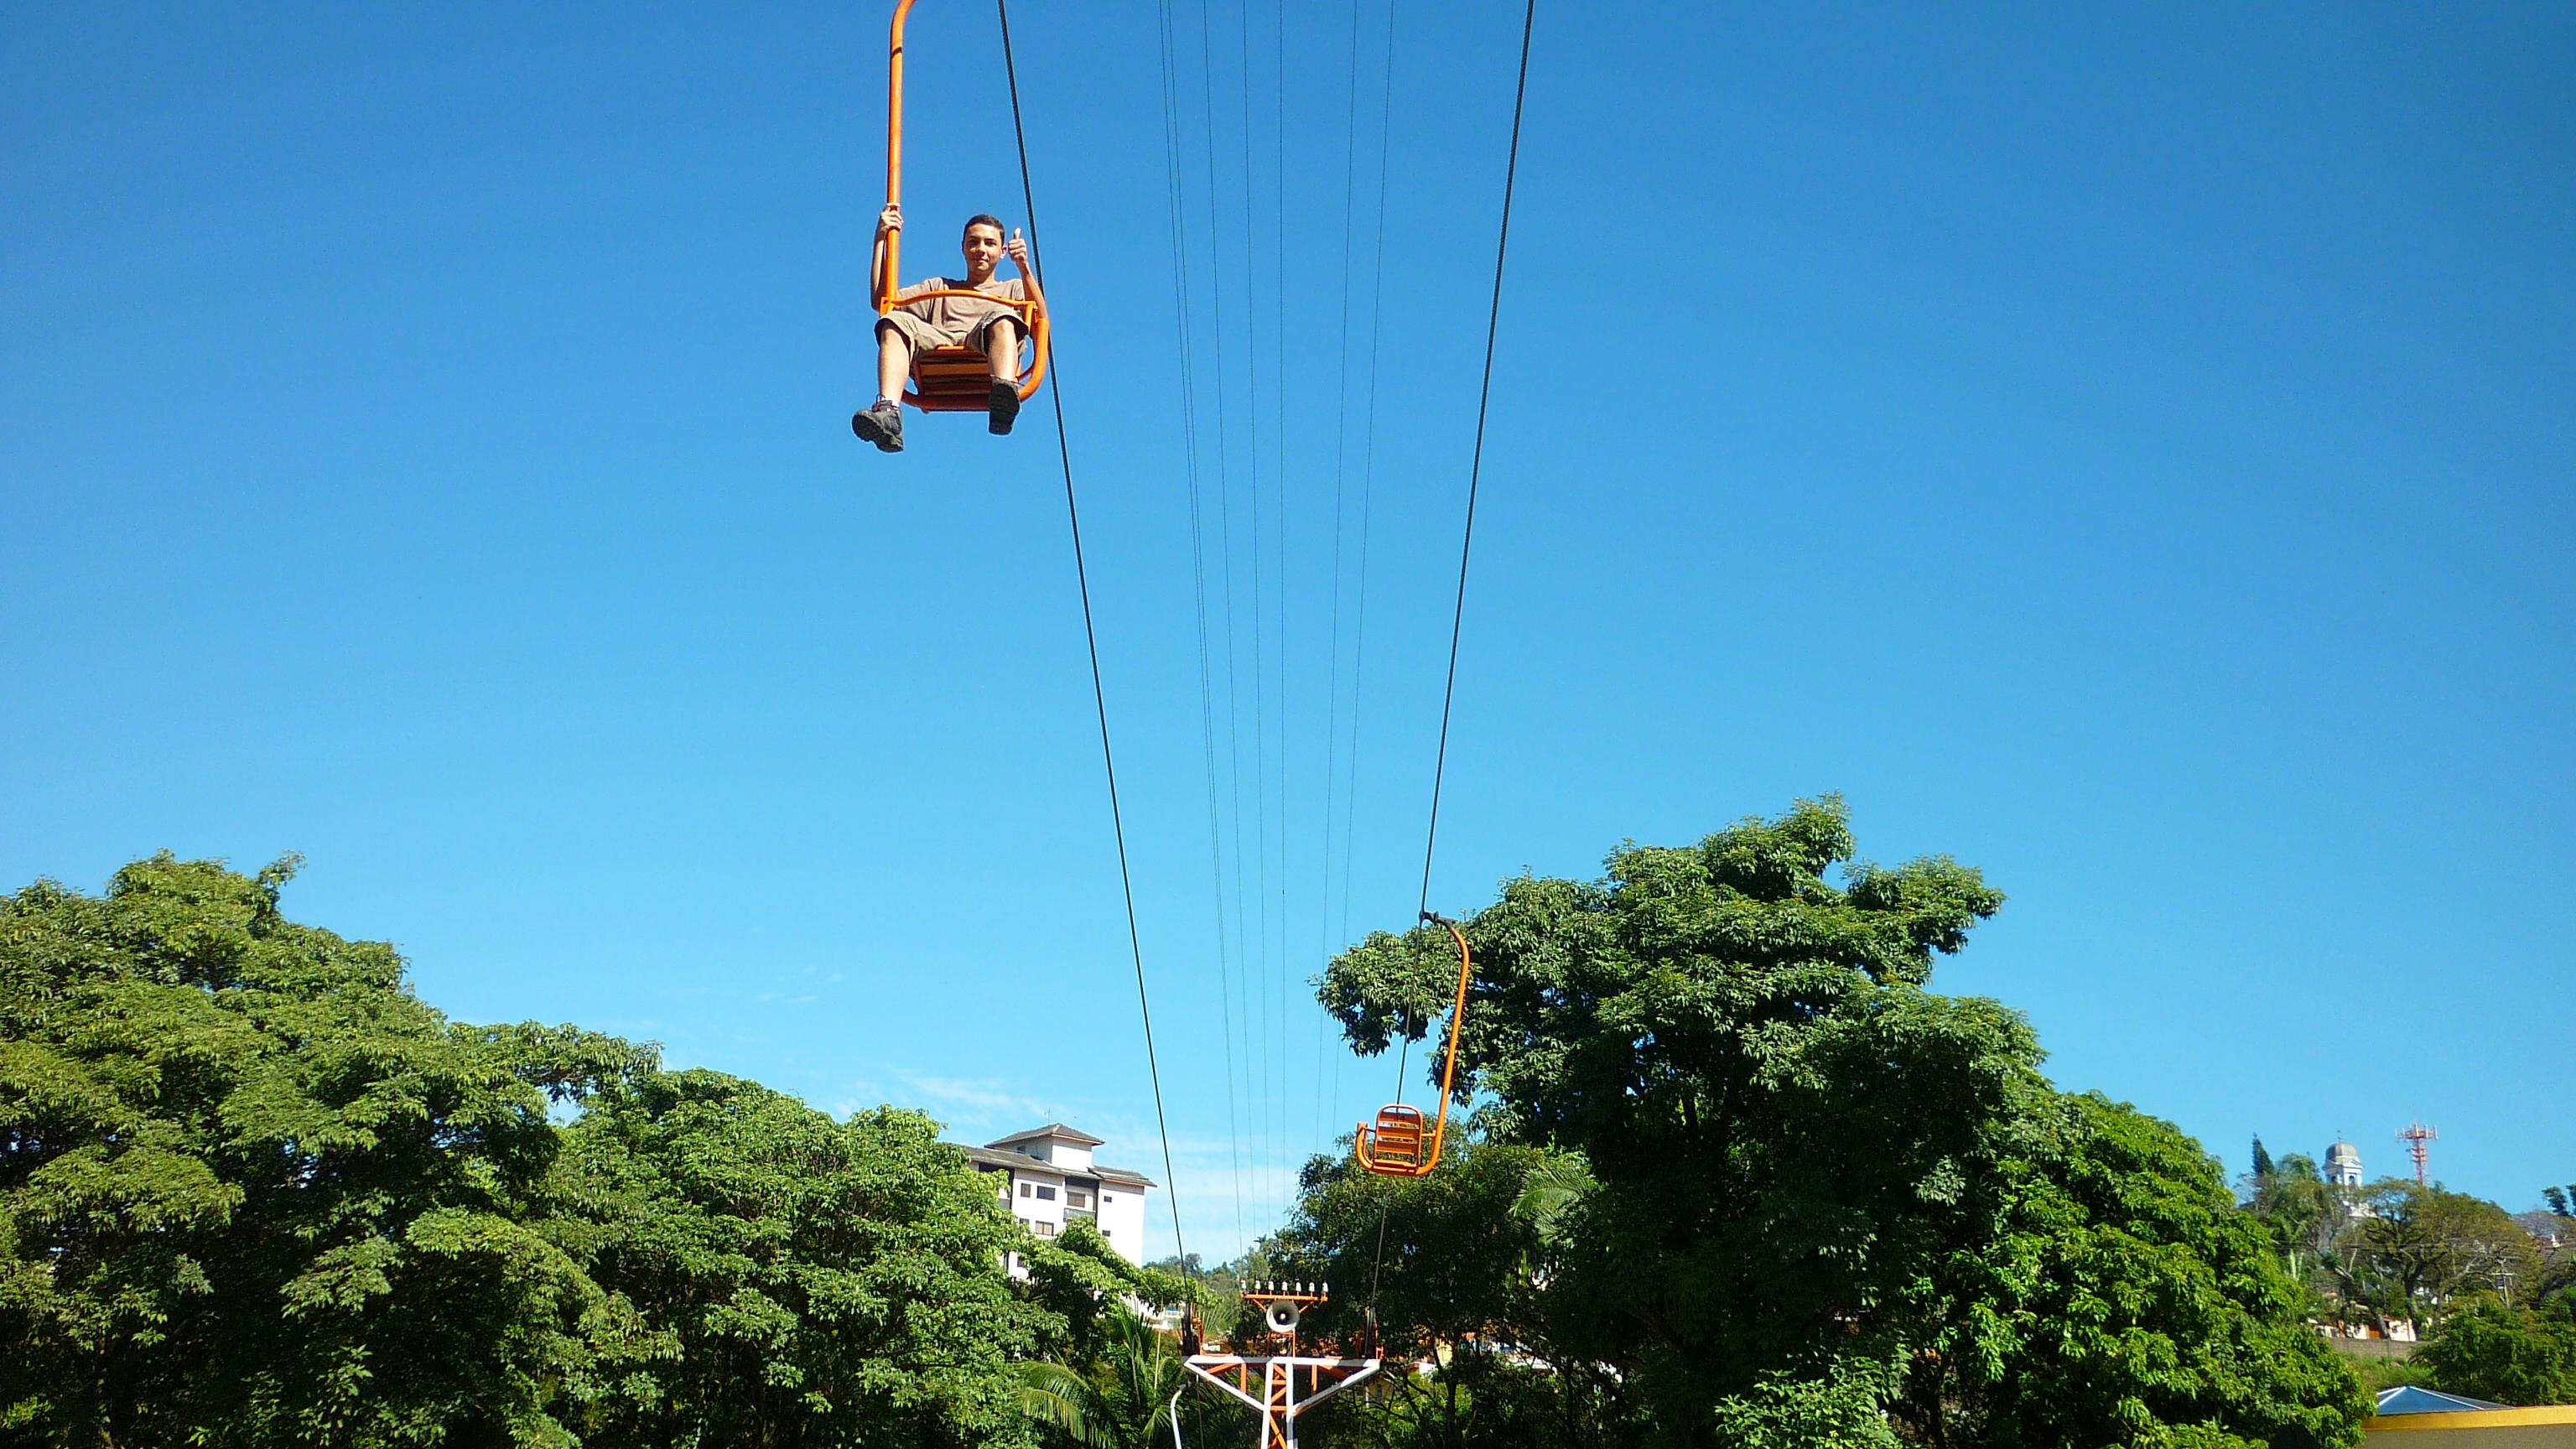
{"type": "Point", "coordinates": [1122, 1393]}
{"type": "Point", "coordinates": [254, 1192]}
{"type": "Point", "coordinates": [2495, 1350]}
{"type": "Point", "coordinates": [1819, 1203]}
{"type": "Point", "coordinates": [793, 1279]}
{"type": "Point", "coordinates": [1736, 1176]}
{"type": "Point", "coordinates": [2394, 1251]}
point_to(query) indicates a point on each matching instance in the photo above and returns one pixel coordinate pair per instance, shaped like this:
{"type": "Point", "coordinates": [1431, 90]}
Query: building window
{"type": "Point", "coordinates": [1076, 1197]}
{"type": "Point", "coordinates": [1046, 1194]}
{"type": "Point", "coordinates": [1044, 1230]}
{"type": "Point", "coordinates": [1025, 1189]}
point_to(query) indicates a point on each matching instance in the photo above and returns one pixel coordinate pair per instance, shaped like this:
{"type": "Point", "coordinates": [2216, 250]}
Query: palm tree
{"type": "Point", "coordinates": [1120, 1400]}
{"type": "Point", "coordinates": [1550, 1191]}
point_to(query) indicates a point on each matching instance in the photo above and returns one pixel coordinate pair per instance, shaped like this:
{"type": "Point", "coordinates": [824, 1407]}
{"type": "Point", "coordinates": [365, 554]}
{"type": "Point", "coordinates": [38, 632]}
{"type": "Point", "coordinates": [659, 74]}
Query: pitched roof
{"type": "Point", "coordinates": [1022, 1162]}
{"type": "Point", "coordinates": [2414, 1399]}
{"type": "Point", "coordinates": [1056, 1130]}
{"type": "Point", "coordinates": [1015, 1161]}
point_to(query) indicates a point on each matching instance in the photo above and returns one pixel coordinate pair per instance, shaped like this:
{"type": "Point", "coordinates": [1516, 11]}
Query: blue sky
{"type": "Point", "coordinates": [2130, 451]}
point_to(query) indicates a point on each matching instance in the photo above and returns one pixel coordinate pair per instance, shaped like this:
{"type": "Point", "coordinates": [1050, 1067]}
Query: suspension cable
{"type": "Point", "coordinates": [1274, 1110]}
{"type": "Point", "coordinates": [1368, 490]}
{"type": "Point", "coordinates": [1476, 468]}
{"type": "Point", "coordinates": [1091, 637]}
{"type": "Point", "coordinates": [1333, 650]}
{"type": "Point", "coordinates": [1279, 490]}
{"type": "Point", "coordinates": [1198, 573]}
{"type": "Point", "coordinates": [1255, 1083]}
{"type": "Point", "coordinates": [1466, 547]}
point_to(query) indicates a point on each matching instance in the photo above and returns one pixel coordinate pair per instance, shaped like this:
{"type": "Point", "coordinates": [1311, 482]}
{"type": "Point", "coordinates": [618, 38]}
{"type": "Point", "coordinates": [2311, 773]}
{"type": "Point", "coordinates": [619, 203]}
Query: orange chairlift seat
{"type": "Point", "coordinates": [1397, 1146]}
{"type": "Point", "coordinates": [944, 379]}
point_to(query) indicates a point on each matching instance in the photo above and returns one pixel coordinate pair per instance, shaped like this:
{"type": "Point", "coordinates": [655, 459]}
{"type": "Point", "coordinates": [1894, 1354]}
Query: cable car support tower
{"type": "Point", "coordinates": [1269, 1383]}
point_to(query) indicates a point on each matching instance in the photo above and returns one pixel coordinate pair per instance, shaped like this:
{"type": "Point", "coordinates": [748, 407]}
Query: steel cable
{"type": "Point", "coordinates": [1091, 638]}
{"type": "Point", "coordinates": [1466, 545]}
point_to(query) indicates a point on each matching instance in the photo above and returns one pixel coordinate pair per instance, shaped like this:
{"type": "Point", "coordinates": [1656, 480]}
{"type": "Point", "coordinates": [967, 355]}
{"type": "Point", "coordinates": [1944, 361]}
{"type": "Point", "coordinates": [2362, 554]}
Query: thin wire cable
{"type": "Point", "coordinates": [1333, 650]}
{"type": "Point", "coordinates": [1251, 962]}
{"type": "Point", "coordinates": [1279, 486]}
{"type": "Point", "coordinates": [1272, 1105]}
{"type": "Point", "coordinates": [1198, 575]}
{"type": "Point", "coordinates": [1091, 638]}
{"type": "Point", "coordinates": [1368, 488]}
{"type": "Point", "coordinates": [1466, 546]}
{"type": "Point", "coordinates": [1476, 466]}
{"type": "Point", "coordinates": [1254, 1086]}
{"type": "Point", "coordinates": [1368, 463]}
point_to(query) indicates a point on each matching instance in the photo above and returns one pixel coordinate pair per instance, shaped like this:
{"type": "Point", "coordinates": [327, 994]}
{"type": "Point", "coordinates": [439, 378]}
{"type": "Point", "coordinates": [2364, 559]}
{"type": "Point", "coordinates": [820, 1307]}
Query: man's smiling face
{"type": "Point", "coordinates": [983, 249]}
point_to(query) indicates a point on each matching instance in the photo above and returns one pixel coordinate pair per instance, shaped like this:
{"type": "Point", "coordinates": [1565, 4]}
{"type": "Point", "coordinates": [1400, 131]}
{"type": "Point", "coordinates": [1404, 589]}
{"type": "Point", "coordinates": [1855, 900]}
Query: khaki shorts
{"type": "Point", "coordinates": [949, 328]}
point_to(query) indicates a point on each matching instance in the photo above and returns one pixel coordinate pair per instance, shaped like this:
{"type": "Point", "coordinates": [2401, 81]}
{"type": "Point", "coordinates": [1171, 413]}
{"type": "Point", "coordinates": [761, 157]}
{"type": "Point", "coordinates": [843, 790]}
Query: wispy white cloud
{"type": "Point", "coordinates": [977, 1100]}
{"type": "Point", "coordinates": [856, 1096]}
{"type": "Point", "coordinates": [1230, 1193]}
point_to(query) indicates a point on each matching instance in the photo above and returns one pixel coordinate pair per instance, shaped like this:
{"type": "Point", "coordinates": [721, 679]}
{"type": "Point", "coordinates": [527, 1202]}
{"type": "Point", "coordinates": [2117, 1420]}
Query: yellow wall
{"type": "Point", "coordinates": [2553, 1427]}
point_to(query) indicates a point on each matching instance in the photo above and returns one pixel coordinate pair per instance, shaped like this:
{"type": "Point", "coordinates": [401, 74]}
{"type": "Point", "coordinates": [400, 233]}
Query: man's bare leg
{"type": "Point", "coordinates": [1002, 350]}
{"type": "Point", "coordinates": [894, 362]}
{"type": "Point", "coordinates": [882, 422]}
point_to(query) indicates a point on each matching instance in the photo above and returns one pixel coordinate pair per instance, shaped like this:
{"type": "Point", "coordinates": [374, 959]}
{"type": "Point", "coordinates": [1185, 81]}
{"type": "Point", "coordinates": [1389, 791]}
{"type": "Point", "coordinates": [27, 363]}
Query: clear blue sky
{"type": "Point", "coordinates": [2130, 451]}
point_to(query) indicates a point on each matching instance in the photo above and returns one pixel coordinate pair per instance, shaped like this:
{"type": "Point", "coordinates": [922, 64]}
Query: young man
{"type": "Point", "coordinates": [920, 321]}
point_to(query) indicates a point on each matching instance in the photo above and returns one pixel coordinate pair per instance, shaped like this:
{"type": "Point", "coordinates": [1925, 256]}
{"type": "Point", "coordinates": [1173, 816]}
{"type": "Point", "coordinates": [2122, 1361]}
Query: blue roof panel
{"type": "Point", "coordinates": [2414, 1399]}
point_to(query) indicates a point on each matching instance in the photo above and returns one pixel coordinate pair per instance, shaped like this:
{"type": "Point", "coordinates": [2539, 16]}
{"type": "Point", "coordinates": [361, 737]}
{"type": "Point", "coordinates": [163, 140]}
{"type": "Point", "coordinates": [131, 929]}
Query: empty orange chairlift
{"type": "Point", "coordinates": [944, 379]}
{"type": "Point", "coordinates": [1397, 1146]}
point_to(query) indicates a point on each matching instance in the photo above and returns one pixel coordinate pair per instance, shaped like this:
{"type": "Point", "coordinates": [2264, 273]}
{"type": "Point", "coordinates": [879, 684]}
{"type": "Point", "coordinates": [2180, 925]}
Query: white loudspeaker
{"type": "Point", "coordinates": [1282, 1316]}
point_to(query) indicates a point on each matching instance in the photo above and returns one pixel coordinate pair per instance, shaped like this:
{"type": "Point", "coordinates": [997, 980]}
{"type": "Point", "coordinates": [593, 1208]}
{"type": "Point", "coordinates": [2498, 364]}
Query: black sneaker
{"type": "Point", "coordinates": [1004, 407]}
{"type": "Point", "coordinates": [881, 424]}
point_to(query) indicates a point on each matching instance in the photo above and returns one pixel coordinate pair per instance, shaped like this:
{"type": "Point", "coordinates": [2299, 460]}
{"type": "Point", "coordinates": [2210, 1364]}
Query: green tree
{"type": "Point", "coordinates": [1121, 1396]}
{"type": "Point", "coordinates": [1457, 1259]}
{"type": "Point", "coordinates": [2125, 1301]}
{"type": "Point", "coordinates": [2300, 1212]}
{"type": "Point", "coordinates": [2416, 1249]}
{"type": "Point", "coordinates": [2558, 1271]}
{"type": "Point", "coordinates": [2262, 1159]}
{"type": "Point", "coordinates": [2494, 1350]}
{"type": "Point", "coordinates": [1812, 1170]}
{"type": "Point", "coordinates": [252, 1191]}
{"type": "Point", "coordinates": [1086, 1282]}
{"type": "Point", "coordinates": [794, 1280]}
{"type": "Point", "coordinates": [1462, 1283]}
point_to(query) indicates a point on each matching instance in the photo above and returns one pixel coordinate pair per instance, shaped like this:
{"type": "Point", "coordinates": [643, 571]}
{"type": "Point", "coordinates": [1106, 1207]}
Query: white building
{"type": "Point", "coordinates": [2343, 1173]}
{"type": "Point", "coordinates": [1047, 1179]}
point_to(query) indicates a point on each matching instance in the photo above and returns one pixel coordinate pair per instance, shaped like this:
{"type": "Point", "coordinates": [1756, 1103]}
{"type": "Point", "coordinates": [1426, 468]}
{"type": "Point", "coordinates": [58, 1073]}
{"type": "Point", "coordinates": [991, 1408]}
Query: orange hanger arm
{"type": "Point", "coordinates": [1425, 1155]}
{"type": "Point", "coordinates": [889, 245]}
{"type": "Point", "coordinates": [886, 267]}
{"type": "Point", "coordinates": [1457, 1016]}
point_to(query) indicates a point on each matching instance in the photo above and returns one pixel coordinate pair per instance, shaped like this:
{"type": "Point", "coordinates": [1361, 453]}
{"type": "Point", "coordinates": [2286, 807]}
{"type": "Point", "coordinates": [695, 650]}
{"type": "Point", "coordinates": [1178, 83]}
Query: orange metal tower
{"type": "Point", "coordinates": [1269, 1383]}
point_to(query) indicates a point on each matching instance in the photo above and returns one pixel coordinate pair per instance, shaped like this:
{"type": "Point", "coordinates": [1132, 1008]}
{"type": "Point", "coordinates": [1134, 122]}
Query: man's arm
{"type": "Point", "coordinates": [889, 221]}
{"type": "Point", "coordinates": [1017, 249]}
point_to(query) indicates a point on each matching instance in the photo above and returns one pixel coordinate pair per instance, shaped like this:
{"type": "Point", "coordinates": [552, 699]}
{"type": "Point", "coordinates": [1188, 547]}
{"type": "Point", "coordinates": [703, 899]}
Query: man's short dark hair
{"type": "Point", "coordinates": [981, 219]}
